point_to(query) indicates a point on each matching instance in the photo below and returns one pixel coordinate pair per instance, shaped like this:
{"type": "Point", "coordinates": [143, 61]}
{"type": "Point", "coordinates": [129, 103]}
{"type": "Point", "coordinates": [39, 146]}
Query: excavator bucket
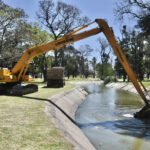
{"type": "Point", "coordinates": [144, 113]}
{"type": "Point", "coordinates": [17, 89]}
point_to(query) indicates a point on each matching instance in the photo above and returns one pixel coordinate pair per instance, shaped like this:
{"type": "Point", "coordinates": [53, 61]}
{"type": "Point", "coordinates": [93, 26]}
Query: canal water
{"type": "Point", "coordinates": [106, 118]}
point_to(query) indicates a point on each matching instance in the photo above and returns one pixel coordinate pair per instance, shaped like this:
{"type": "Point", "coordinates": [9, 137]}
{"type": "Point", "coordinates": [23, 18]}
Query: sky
{"type": "Point", "coordinates": [91, 8]}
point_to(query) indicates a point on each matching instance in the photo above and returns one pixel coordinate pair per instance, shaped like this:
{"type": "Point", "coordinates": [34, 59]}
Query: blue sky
{"type": "Point", "coordinates": [91, 8]}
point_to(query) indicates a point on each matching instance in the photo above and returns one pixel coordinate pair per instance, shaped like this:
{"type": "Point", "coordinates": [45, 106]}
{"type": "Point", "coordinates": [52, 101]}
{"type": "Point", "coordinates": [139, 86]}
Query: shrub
{"type": "Point", "coordinates": [109, 79]}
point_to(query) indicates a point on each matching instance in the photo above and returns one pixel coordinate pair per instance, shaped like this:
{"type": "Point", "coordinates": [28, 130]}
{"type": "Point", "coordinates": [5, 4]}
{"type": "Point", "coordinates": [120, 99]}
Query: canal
{"type": "Point", "coordinates": [106, 118]}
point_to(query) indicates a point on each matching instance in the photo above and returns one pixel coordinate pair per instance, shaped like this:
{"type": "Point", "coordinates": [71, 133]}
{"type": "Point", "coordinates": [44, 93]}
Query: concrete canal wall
{"type": "Point", "coordinates": [123, 86]}
{"type": "Point", "coordinates": [69, 102]}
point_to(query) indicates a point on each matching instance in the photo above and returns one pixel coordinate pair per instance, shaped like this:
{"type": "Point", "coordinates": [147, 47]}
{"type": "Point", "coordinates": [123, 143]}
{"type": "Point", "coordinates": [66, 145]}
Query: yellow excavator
{"type": "Point", "coordinates": [11, 80]}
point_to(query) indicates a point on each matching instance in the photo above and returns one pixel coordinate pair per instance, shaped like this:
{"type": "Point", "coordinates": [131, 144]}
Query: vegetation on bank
{"type": "Point", "coordinates": [25, 125]}
{"type": "Point", "coordinates": [145, 82]}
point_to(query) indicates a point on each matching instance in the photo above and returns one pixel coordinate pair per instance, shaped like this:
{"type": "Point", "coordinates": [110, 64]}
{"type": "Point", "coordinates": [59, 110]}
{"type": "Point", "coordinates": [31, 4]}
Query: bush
{"type": "Point", "coordinates": [109, 79]}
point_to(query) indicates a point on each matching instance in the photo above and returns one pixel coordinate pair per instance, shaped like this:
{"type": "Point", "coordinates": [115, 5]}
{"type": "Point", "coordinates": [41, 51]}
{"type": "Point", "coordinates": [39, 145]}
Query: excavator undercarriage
{"type": "Point", "coordinates": [17, 89]}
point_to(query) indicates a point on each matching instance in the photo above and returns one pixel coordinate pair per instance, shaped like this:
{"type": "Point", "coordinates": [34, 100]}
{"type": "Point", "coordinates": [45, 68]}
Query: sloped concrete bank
{"type": "Point", "coordinates": [69, 102]}
{"type": "Point", "coordinates": [123, 86]}
{"type": "Point", "coordinates": [79, 83]}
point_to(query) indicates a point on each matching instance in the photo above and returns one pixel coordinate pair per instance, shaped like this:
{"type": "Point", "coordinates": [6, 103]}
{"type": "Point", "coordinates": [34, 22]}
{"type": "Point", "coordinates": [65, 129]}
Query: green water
{"type": "Point", "coordinates": [106, 118]}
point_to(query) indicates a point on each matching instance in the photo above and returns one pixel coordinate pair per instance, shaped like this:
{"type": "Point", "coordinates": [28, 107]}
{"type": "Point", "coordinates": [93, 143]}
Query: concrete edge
{"type": "Point", "coordinates": [123, 86]}
{"type": "Point", "coordinates": [69, 102]}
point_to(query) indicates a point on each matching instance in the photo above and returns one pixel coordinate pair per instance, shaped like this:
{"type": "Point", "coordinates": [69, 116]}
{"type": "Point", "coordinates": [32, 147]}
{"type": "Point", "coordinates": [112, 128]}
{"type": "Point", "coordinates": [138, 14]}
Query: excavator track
{"type": "Point", "coordinates": [17, 89]}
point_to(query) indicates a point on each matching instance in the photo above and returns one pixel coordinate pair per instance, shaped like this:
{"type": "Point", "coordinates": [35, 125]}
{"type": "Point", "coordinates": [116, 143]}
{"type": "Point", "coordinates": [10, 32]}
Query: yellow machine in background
{"type": "Point", "coordinates": [18, 73]}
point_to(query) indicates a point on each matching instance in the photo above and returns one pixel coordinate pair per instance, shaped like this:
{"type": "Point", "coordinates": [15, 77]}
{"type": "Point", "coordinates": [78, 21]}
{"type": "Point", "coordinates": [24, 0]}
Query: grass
{"type": "Point", "coordinates": [81, 79]}
{"type": "Point", "coordinates": [25, 126]}
{"type": "Point", "coordinates": [146, 83]}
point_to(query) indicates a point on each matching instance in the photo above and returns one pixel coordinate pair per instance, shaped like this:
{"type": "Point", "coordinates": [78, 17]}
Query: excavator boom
{"type": "Point", "coordinates": [53, 45]}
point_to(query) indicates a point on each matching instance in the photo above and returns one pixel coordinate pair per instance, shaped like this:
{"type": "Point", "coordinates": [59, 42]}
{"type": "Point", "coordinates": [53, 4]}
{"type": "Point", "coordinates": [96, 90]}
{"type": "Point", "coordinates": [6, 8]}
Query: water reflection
{"type": "Point", "coordinates": [106, 116]}
{"type": "Point", "coordinates": [133, 127]}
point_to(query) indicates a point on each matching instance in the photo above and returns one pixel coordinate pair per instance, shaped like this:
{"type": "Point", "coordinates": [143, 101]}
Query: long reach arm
{"type": "Point", "coordinates": [18, 73]}
{"type": "Point", "coordinates": [22, 65]}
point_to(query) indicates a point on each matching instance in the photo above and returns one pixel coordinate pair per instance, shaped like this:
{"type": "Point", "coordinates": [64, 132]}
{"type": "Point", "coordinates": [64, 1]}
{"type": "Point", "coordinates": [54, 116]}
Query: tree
{"type": "Point", "coordinates": [147, 67]}
{"type": "Point", "coordinates": [12, 34]}
{"type": "Point", "coordinates": [104, 55]}
{"type": "Point", "coordinates": [41, 63]}
{"type": "Point", "coordinates": [87, 72]}
{"type": "Point", "coordinates": [137, 53]}
{"type": "Point", "coordinates": [93, 63]}
{"type": "Point", "coordinates": [85, 51]}
{"type": "Point", "coordinates": [132, 44]}
{"type": "Point", "coordinates": [59, 18]}
{"type": "Point", "coordinates": [71, 67]}
{"type": "Point", "coordinates": [138, 9]}
{"type": "Point", "coordinates": [108, 71]}
{"type": "Point", "coordinates": [147, 57]}
{"type": "Point", "coordinates": [71, 61]}
{"type": "Point", "coordinates": [124, 43]}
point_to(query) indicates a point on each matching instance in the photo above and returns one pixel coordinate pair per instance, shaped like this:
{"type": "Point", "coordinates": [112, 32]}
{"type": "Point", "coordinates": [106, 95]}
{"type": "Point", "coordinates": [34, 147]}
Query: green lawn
{"type": "Point", "coordinates": [146, 83]}
{"type": "Point", "coordinates": [81, 79]}
{"type": "Point", "coordinates": [25, 126]}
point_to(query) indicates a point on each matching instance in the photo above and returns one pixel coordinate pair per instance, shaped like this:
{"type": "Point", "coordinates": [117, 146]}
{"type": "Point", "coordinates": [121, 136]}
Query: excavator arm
{"type": "Point", "coordinates": [18, 73]}
{"type": "Point", "coordinates": [108, 32]}
{"type": "Point", "coordinates": [22, 65]}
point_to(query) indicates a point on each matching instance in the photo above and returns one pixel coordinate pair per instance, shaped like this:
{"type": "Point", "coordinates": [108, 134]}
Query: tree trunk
{"type": "Point", "coordinates": [45, 75]}
{"type": "Point", "coordinates": [102, 71]}
{"type": "Point", "coordinates": [124, 78]}
{"type": "Point", "coordinates": [56, 58]}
